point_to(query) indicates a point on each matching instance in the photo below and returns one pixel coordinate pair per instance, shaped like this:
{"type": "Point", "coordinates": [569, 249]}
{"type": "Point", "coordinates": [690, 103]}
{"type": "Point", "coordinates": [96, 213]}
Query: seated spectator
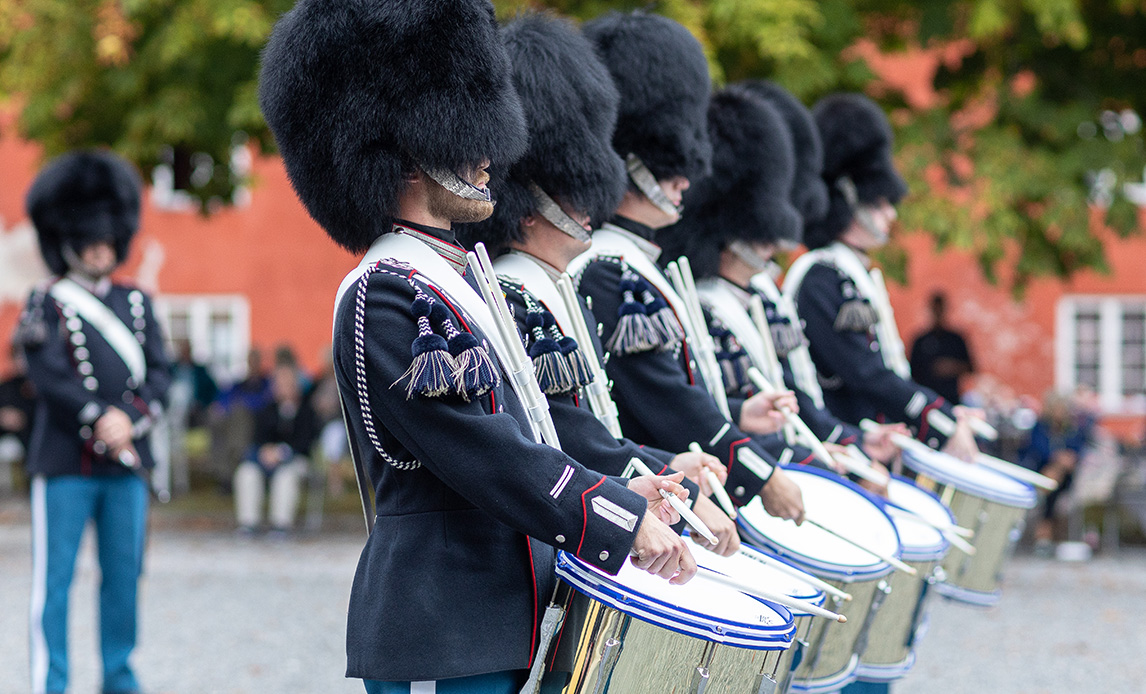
{"type": "Point", "coordinates": [285, 430]}
{"type": "Point", "coordinates": [17, 408]}
{"type": "Point", "coordinates": [1055, 445]}
{"type": "Point", "coordinates": [231, 419]}
{"type": "Point", "coordinates": [333, 447]}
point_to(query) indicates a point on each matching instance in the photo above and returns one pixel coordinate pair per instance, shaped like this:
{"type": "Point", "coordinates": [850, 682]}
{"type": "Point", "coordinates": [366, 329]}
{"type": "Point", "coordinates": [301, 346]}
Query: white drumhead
{"type": "Point", "coordinates": [976, 480]}
{"type": "Point", "coordinates": [756, 568]}
{"type": "Point", "coordinates": [832, 502]}
{"type": "Point", "coordinates": [921, 541]}
{"type": "Point", "coordinates": [701, 607]}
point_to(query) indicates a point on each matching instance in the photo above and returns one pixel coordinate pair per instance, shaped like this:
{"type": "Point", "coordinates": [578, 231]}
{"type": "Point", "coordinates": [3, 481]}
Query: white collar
{"type": "Point", "coordinates": [647, 247]}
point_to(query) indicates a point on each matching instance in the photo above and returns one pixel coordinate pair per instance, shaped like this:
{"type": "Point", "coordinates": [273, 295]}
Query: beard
{"type": "Point", "coordinates": [444, 204]}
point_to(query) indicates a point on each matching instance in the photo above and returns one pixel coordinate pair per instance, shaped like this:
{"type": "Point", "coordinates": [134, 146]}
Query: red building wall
{"type": "Point", "coordinates": [271, 252]}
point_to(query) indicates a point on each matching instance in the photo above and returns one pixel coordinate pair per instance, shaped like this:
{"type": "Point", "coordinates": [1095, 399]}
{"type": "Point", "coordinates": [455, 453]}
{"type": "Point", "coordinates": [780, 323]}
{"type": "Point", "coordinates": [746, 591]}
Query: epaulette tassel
{"type": "Point", "coordinates": [579, 370]}
{"type": "Point", "coordinates": [635, 330]}
{"type": "Point", "coordinates": [432, 370]}
{"type": "Point", "coordinates": [785, 337]}
{"type": "Point", "coordinates": [549, 363]}
{"type": "Point", "coordinates": [856, 315]}
{"type": "Point", "coordinates": [664, 319]}
{"type": "Point", "coordinates": [475, 374]}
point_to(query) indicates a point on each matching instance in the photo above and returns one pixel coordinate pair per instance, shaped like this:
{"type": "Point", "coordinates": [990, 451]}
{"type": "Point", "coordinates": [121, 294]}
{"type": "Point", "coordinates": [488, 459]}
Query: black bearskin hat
{"type": "Point", "coordinates": [359, 92]}
{"type": "Point", "coordinates": [661, 72]}
{"type": "Point", "coordinates": [809, 193]}
{"type": "Point", "coordinates": [570, 107]}
{"type": "Point", "coordinates": [81, 198]}
{"type": "Point", "coordinates": [857, 144]}
{"type": "Point", "coordinates": [747, 197]}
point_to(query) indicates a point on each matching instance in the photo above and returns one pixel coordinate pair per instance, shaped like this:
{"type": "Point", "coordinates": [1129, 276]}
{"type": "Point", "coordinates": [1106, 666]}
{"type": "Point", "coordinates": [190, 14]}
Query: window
{"type": "Point", "coordinates": [1101, 345]}
{"type": "Point", "coordinates": [216, 328]}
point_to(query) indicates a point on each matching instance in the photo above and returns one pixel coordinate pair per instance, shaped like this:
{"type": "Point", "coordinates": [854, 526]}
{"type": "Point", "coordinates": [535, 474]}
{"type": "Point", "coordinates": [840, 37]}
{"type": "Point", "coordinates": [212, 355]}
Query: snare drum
{"type": "Point", "coordinates": [761, 569]}
{"type": "Point", "coordinates": [643, 635]}
{"type": "Point", "coordinates": [901, 620]}
{"type": "Point", "coordinates": [988, 502]}
{"type": "Point", "coordinates": [832, 656]}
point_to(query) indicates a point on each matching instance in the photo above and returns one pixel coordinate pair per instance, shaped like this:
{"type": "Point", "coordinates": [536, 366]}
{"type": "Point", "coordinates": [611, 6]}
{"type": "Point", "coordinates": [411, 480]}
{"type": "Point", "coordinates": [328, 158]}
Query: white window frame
{"type": "Point", "coordinates": [1110, 309]}
{"type": "Point", "coordinates": [200, 308]}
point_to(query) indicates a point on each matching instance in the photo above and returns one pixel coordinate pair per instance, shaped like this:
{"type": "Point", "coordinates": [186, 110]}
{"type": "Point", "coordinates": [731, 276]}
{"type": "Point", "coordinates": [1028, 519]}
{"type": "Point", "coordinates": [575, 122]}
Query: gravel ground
{"type": "Point", "coordinates": [222, 614]}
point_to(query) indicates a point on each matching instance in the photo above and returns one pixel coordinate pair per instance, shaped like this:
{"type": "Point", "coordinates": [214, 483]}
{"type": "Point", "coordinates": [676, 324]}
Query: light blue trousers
{"type": "Point", "coordinates": [61, 509]}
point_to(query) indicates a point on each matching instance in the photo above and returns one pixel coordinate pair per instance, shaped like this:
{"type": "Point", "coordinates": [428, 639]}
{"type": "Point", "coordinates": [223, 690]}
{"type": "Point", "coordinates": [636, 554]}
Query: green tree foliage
{"type": "Point", "coordinates": [1028, 119]}
{"type": "Point", "coordinates": [152, 79]}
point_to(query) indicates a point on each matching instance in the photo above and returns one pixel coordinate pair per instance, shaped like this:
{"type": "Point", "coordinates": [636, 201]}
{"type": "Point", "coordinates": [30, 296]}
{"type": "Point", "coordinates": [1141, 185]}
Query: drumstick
{"type": "Point", "coordinates": [718, 489]}
{"type": "Point", "coordinates": [785, 600]}
{"type": "Point", "coordinates": [796, 573]}
{"type": "Point", "coordinates": [909, 570]}
{"type": "Point", "coordinates": [808, 437]}
{"type": "Point", "coordinates": [945, 528]}
{"type": "Point", "coordinates": [679, 506]}
{"type": "Point", "coordinates": [521, 367]}
{"type": "Point", "coordinates": [940, 420]}
{"type": "Point", "coordinates": [951, 537]}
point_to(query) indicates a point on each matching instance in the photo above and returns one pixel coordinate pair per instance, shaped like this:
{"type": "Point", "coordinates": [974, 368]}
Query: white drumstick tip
{"type": "Point", "coordinates": [679, 506]}
{"type": "Point", "coordinates": [718, 489]}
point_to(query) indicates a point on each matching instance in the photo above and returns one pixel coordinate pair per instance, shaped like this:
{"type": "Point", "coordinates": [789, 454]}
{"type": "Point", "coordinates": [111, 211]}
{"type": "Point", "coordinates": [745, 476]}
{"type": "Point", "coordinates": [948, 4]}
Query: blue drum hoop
{"type": "Point", "coordinates": [921, 553]}
{"type": "Point", "coordinates": [974, 479]}
{"type": "Point", "coordinates": [605, 589]}
{"type": "Point", "coordinates": [819, 567]}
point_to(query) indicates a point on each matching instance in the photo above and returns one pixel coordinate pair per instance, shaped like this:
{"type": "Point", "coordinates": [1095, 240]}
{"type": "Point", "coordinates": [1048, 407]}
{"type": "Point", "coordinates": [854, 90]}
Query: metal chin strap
{"type": "Point", "coordinates": [556, 216]}
{"type": "Point", "coordinates": [458, 185]}
{"type": "Point", "coordinates": [647, 183]}
{"type": "Point", "coordinates": [861, 212]}
{"type": "Point", "coordinates": [751, 258]}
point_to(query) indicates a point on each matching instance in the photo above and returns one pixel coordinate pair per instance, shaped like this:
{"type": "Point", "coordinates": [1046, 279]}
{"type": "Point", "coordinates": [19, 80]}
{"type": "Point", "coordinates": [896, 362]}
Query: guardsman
{"type": "Point", "coordinates": [842, 302]}
{"type": "Point", "coordinates": [387, 116]}
{"type": "Point", "coordinates": [735, 221]}
{"type": "Point", "coordinates": [662, 76]}
{"type": "Point", "coordinates": [570, 107]}
{"type": "Point", "coordinates": [96, 356]}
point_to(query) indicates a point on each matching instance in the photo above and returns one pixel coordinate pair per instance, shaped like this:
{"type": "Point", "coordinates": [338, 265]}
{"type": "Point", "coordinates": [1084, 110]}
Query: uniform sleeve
{"type": "Point", "coordinates": [825, 425]}
{"type": "Point", "coordinates": [660, 400]}
{"type": "Point", "coordinates": [486, 457]}
{"type": "Point", "coordinates": [784, 452]}
{"type": "Point", "coordinates": [854, 357]}
{"type": "Point", "coordinates": [50, 365]}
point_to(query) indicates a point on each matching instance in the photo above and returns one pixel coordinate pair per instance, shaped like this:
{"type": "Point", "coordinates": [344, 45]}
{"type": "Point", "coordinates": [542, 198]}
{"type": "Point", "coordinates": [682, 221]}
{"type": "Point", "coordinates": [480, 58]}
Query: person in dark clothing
{"type": "Point", "coordinates": [939, 356]}
{"type": "Point", "coordinates": [285, 430]}
{"type": "Point", "coordinates": [17, 411]}
{"type": "Point", "coordinates": [389, 116]}
{"type": "Point", "coordinates": [96, 355]}
{"type": "Point", "coordinates": [1054, 448]}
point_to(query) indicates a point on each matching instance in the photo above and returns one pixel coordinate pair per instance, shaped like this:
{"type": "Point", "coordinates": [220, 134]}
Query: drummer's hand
{"type": "Point", "coordinates": [659, 550]}
{"type": "Point", "coordinates": [879, 489]}
{"type": "Point", "coordinates": [760, 414]}
{"type": "Point", "coordinates": [877, 442]}
{"type": "Point", "coordinates": [727, 539]}
{"type": "Point", "coordinates": [962, 443]}
{"type": "Point", "coordinates": [649, 487]}
{"type": "Point", "coordinates": [782, 497]}
{"type": "Point", "coordinates": [694, 465]}
{"type": "Point", "coordinates": [837, 450]}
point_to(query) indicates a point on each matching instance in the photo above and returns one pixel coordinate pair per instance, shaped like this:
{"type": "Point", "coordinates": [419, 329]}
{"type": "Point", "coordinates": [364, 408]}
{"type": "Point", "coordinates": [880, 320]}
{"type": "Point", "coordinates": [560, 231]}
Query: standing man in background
{"type": "Point", "coordinates": [939, 356]}
{"type": "Point", "coordinates": [96, 356]}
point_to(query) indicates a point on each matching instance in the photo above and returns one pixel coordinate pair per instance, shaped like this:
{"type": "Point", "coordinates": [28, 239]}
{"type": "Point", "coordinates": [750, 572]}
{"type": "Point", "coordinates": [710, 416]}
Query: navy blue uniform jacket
{"type": "Point", "coordinates": [455, 577]}
{"type": "Point", "coordinates": [78, 376]}
{"type": "Point", "coordinates": [661, 400]}
{"type": "Point", "coordinates": [857, 384]}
